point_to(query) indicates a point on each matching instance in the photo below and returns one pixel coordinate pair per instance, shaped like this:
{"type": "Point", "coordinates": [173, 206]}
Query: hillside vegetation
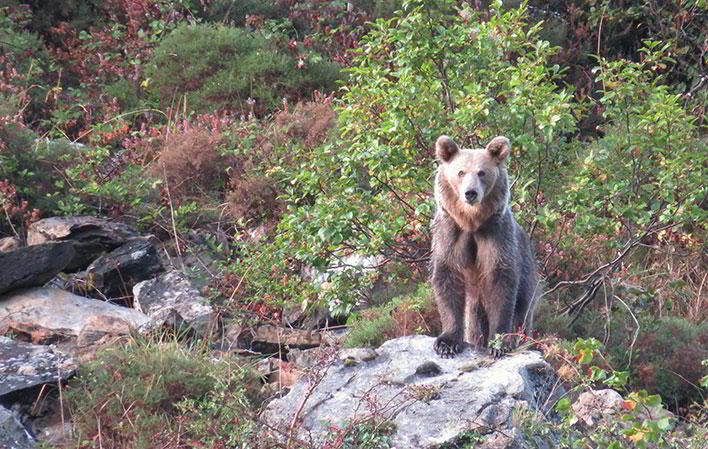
{"type": "Point", "coordinates": [290, 143]}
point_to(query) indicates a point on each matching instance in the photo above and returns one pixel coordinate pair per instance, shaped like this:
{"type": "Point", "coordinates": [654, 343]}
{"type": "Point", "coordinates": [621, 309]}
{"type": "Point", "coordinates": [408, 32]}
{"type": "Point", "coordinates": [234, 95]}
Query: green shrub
{"type": "Point", "coordinates": [428, 71]}
{"type": "Point", "coordinates": [641, 422]}
{"type": "Point", "coordinates": [25, 63]}
{"type": "Point", "coordinates": [234, 12]}
{"type": "Point", "coordinates": [663, 355]}
{"type": "Point", "coordinates": [35, 166]}
{"type": "Point", "coordinates": [125, 92]}
{"type": "Point", "coordinates": [143, 394]}
{"type": "Point", "coordinates": [217, 67]}
{"type": "Point", "coordinates": [648, 168]}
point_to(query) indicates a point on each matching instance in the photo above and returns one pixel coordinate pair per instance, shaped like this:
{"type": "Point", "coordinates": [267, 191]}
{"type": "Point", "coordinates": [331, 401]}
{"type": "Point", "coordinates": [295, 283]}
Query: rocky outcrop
{"type": "Point", "coordinates": [56, 310]}
{"type": "Point", "coordinates": [13, 434]}
{"type": "Point", "coordinates": [429, 400]}
{"type": "Point", "coordinates": [91, 236]}
{"type": "Point", "coordinates": [171, 300]}
{"type": "Point", "coordinates": [113, 275]}
{"type": "Point", "coordinates": [32, 266]}
{"type": "Point", "coordinates": [24, 365]}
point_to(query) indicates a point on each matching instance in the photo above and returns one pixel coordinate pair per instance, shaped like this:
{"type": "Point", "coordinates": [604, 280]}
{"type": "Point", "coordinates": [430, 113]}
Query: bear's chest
{"type": "Point", "coordinates": [474, 256]}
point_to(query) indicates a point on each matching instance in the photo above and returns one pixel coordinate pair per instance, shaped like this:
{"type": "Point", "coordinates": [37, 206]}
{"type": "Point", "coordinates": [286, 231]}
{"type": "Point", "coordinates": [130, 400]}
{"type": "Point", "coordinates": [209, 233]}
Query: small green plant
{"type": "Point", "coordinates": [367, 434]}
{"type": "Point", "coordinates": [467, 440]}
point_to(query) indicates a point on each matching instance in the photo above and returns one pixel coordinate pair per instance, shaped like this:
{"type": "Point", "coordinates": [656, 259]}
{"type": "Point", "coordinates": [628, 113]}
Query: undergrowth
{"type": "Point", "coordinates": [148, 393]}
{"type": "Point", "coordinates": [404, 315]}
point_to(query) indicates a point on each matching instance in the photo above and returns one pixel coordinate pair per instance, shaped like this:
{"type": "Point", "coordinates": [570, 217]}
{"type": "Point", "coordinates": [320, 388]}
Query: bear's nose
{"type": "Point", "coordinates": [471, 195]}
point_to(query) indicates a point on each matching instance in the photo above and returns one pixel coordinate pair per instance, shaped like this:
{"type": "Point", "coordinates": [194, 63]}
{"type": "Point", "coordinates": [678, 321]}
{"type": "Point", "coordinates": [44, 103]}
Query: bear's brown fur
{"type": "Point", "coordinates": [483, 269]}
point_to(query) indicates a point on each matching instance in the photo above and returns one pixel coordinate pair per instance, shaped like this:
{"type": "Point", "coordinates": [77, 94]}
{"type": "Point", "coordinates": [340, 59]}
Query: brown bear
{"type": "Point", "coordinates": [483, 268]}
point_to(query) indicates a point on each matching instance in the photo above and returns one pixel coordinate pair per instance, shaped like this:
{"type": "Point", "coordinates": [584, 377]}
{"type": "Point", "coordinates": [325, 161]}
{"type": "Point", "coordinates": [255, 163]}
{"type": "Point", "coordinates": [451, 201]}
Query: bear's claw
{"type": "Point", "coordinates": [447, 347]}
{"type": "Point", "coordinates": [498, 353]}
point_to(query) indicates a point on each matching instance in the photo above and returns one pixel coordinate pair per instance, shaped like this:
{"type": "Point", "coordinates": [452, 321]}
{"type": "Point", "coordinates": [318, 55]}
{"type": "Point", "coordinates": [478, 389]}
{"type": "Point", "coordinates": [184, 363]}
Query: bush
{"type": "Point", "coordinates": [190, 162]}
{"type": "Point", "coordinates": [35, 166]}
{"type": "Point", "coordinates": [663, 355]}
{"type": "Point", "coordinates": [429, 70]}
{"type": "Point", "coordinates": [253, 199]}
{"type": "Point", "coordinates": [235, 12]}
{"type": "Point", "coordinates": [216, 67]}
{"type": "Point", "coordinates": [309, 122]}
{"type": "Point", "coordinates": [25, 63]}
{"type": "Point", "coordinates": [667, 360]}
{"type": "Point", "coordinates": [148, 393]}
{"type": "Point", "coordinates": [403, 315]}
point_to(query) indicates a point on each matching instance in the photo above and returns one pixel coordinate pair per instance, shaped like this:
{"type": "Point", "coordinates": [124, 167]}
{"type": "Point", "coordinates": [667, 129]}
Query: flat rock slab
{"type": "Point", "coordinates": [271, 339]}
{"type": "Point", "coordinates": [24, 365]}
{"type": "Point", "coordinates": [170, 299]}
{"type": "Point", "coordinates": [12, 433]}
{"type": "Point", "coordinates": [62, 311]}
{"type": "Point", "coordinates": [430, 400]}
{"type": "Point", "coordinates": [32, 266]}
{"type": "Point", "coordinates": [91, 236]}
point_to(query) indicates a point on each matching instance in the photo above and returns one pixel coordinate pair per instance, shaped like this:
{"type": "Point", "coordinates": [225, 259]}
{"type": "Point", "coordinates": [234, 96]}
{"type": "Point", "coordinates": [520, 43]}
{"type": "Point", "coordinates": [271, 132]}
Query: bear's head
{"type": "Point", "coordinates": [472, 174]}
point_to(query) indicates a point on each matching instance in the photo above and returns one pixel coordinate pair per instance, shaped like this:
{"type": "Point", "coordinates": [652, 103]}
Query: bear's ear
{"type": "Point", "coordinates": [445, 148]}
{"type": "Point", "coordinates": [499, 148]}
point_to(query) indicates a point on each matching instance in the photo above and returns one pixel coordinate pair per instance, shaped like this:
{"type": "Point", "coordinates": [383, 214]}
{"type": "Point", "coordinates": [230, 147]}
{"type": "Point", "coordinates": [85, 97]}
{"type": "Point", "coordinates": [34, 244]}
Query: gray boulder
{"type": "Point", "coordinates": [430, 401]}
{"type": "Point", "coordinates": [113, 275]}
{"type": "Point", "coordinates": [31, 266]}
{"type": "Point", "coordinates": [91, 236]}
{"type": "Point", "coordinates": [24, 365]}
{"type": "Point", "coordinates": [61, 311]}
{"type": "Point", "coordinates": [12, 433]}
{"type": "Point", "coordinates": [171, 300]}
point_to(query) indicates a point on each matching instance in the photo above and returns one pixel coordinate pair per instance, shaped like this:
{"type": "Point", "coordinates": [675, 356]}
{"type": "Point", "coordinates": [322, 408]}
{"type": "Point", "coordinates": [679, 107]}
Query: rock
{"type": "Point", "coordinates": [91, 236]}
{"type": "Point", "coordinates": [305, 358]}
{"type": "Point", "coordinates": [271, 339]}
{"type": "Point", "coordinates": [34, 333]}
{"type": "Point", "coordinates": [429, 400]}
{"type": "Point", "coordinates": [9, 244]}
{"type": "Point", "coordinates": [114, 275]}
{"type": "Point", "coordinates": [170, 299]}
{"type": "Point", "coordinates": [99, 327]}
{"type": "Point", "coordinates": [13, 434]}
{"type": "Point", "coordinates": [314, 318]}
{"type": "Point", "coordinates": [24, 365]}
{"type": "Point", "coordinates": [266, 367]}
{"type": "Point", "coordinates": [60, 311]}
{"type": "Point", "coordinates": [594, 406]}
{"type": "Point", "coordinates": [236, 336]}
{"type": "Point", "coordinates": [32, 266]}
{"type": "Point", "coordinates": [286, 374]}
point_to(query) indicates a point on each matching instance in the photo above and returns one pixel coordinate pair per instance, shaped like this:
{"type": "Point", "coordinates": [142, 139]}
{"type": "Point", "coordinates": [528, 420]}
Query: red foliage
{"type": "Point", "coordinates": [14, 209]}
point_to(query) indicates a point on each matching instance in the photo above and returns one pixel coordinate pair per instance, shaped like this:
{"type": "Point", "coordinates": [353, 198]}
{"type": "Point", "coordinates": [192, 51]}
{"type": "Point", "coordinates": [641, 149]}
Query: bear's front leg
{"type": "Point", "coordinates": [499, 302]}
{"type": "Point", "coordinates": [449, 291]}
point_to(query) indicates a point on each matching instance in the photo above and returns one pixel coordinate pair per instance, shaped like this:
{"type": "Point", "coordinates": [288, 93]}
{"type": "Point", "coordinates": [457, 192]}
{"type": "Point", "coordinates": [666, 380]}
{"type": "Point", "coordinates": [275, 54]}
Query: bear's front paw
{"type": "Point", "coordinates": [499, 352]}
{"type": "Point", "coordinates": [446, 346]}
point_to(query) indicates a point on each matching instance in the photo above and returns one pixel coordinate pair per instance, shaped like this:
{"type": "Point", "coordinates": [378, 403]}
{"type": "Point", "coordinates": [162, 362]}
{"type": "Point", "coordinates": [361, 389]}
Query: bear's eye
{"type": "Point", "coordinates": [481, 173]}
{"type": "Point", "coordinates": [461, 174]}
